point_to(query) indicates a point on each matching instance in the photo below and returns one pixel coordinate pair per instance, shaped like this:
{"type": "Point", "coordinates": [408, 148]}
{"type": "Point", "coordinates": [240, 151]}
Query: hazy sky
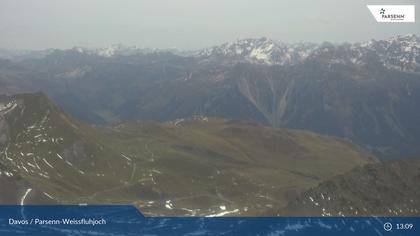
{"type": "Point", "coordinates": [189, 24]}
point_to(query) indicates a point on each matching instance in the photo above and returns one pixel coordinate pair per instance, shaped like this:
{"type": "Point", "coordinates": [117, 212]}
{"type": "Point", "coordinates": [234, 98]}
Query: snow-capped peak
{"type": "Point", "coordinates": [260, 50]}
{"type": "Point", "coordinates": [109, 51]}
{"type": "Point", "coordinates": [399, 52]}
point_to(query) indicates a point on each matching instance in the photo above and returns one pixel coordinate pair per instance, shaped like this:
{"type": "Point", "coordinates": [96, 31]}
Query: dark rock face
{"type": "Point", "coordinates": [4, 136]}
{"type": "Point", "coordinates": [384, 189]}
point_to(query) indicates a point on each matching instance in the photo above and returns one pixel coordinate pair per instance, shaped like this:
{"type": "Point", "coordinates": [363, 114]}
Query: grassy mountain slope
{"type": "Point", "coordinates": [200, 166]}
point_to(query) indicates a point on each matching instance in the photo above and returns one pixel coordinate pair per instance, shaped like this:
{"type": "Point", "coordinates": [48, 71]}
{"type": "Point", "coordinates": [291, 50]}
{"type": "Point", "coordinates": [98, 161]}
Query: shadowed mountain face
{"type": "Point", "coordinates": [381, 189]}
{"type": "Point", "coordinates": [199, 166]}
{"type": "Point", "coordinates": [368, 93]}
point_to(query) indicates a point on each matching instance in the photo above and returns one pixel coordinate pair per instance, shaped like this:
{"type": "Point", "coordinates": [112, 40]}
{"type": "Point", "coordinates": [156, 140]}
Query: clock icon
{"type": "Point", "coordinates": [387, 226]}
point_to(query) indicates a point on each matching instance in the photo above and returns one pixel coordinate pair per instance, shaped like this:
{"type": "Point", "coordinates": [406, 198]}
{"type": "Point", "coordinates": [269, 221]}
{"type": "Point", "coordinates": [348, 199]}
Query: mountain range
{"type": "Point", "coordinates": [364, 92]}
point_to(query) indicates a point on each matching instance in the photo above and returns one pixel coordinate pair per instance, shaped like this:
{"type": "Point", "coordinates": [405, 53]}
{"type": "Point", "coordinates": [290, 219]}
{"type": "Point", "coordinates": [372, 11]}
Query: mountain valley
{"type": "Point", "coordinates": [201, 166]}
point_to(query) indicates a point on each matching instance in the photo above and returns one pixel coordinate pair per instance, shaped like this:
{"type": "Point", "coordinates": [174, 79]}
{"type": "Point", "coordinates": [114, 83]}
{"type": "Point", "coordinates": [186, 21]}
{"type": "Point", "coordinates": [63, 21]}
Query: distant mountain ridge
{"type": "Point", "coordinates": [399, 52]}
{"type": "Point", "coordinates": [261, 50]}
